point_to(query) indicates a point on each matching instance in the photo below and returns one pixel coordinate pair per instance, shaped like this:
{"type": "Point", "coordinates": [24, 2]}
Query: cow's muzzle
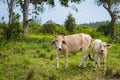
{"type": "Point", "coordinates": [102, 51]}
{"type": "Point", "coordinates": [59, 49]}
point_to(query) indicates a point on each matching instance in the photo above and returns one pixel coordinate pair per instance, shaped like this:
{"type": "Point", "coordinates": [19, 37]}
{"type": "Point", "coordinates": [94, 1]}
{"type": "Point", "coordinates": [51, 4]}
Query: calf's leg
{"type": "Point", "coordinates": [104, 63]}
{"type": "Point", "coordinates": [57, 60]}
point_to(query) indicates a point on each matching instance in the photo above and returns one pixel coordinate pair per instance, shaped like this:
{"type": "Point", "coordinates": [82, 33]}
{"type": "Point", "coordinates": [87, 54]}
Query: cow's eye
{"type": "Point", "coordinates": [56, 40]}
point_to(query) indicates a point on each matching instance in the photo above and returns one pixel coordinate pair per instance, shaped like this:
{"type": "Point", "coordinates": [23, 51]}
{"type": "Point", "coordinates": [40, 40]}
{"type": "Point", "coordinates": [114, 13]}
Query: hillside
{"type": "Point", "coordinates": [35, 59]}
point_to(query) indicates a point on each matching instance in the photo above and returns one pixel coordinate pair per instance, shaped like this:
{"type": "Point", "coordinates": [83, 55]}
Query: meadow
{"type": "Point", "coordinates": [34, 59]}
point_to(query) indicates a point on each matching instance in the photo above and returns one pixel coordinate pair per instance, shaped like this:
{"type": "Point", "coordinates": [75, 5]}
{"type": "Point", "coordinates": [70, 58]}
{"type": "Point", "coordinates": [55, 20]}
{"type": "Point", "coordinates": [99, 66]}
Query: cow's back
{"type": "Point", "coordinates": [76, 42]}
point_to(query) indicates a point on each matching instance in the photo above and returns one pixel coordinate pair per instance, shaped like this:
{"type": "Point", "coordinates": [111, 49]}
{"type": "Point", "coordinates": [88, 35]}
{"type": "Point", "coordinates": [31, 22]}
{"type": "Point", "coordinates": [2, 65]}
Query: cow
{"type": "Point", "coordinates": [72, 44]}
{"type": "Point", "coordinates": [99, 51]}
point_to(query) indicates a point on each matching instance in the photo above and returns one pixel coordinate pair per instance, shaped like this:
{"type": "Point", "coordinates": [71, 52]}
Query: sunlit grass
{"type": "Point", "coordinates": [34, 59]}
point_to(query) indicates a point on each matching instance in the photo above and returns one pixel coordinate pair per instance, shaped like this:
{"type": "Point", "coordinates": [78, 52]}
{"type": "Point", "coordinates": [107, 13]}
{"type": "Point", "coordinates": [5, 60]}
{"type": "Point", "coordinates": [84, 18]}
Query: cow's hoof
{"type": "Point", "coordinates": [105, 69]}
{"type": "Point", "coordinates": [66, 68]}
{"type": "Point", "coordinates": [93, 66]}
{"type": "Point", "coordinates": [57, 68]}
{"type": "Point", "coordinates": [83, 67]}
{"type": "Point", "coordinates": [94, 70]}
{"type": "Point", "coordinates": [79, 66]}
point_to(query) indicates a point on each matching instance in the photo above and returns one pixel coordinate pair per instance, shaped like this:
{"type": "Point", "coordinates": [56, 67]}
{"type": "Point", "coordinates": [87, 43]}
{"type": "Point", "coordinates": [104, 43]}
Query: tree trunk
{"type": "Point", "coordinates": [112, 35]}
{"type": "Point", "coordinates": [10, 9]}
{"type": "Point", "coordinates": [112, 25]}
{"type": "Point", "coordinates": [25, 16]}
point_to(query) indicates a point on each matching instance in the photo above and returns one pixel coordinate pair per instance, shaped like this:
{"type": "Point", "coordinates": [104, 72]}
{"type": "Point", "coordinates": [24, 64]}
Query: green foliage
{"type": "Point", "coordinates": [15, 32]}
{"type": "Point", "coordinates": [2, 26]}
{"type": "Point", "coordinates": [117, 33]}
{"type": "Point", "coordinates": [66, 2]}
{"type": "Point", "coordinates": [48, 27]}
{"type": "Point", "coordinates": [60, 30]}
{"type": "Point", "coordinates": [34, 27]}
{"type": "Point", "coordinates": [105, 28]}
{"type": "Point", "coordinates": [88, 30]}
{"type": "Point", "coordinates": [70, 23]}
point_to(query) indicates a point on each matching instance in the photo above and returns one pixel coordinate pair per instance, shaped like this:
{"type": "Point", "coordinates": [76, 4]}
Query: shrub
{"type": "Point", "coordinates": [15, 32]}
{"type": "Point", "coordinates": [2, 26]}
{"type": "Point", "coordinates": [48, 27]}
{"type": "Point", "coordinates": [105, 28]}
{"type": "Point", "coordinates": [88, 30]}
{"type": "Point", "coordinates": [61, 30]}
{"type": "Point", "coordinates": [34, 27]}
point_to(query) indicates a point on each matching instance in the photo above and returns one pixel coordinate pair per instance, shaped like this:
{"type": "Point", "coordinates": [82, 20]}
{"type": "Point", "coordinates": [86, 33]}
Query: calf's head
{"type": "Point", "coordinates": [59, 41]}
{"type": "Point", "coordinates": [104, 46]}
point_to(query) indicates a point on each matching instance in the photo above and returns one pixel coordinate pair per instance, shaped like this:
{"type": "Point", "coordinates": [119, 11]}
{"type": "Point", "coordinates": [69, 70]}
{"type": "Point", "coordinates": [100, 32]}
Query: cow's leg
{"type": "Point", "coordinates": [66, 60]}
{"type": "Point", "coordinates": [104, 63]}
{"type": "Point", "coordinates": [84, 57]}
{"type": "Point", "coordinates": [93, 55]}
{"type": "Point", "coordinates": [96, 62]}
{"type": "Point", "coordinates": [57, 60]}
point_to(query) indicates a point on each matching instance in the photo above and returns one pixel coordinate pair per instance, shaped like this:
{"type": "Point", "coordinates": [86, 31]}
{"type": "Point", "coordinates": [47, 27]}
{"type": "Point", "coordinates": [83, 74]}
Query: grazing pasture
{"type": "Point", "coordinates": [34, 59]}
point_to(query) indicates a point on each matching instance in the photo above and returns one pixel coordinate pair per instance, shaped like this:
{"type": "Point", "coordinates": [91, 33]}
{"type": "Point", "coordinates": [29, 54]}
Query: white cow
{"type": "Point", "coordinates": [72, 44]}
{"type": "Point", "coordinates": [99, 49]}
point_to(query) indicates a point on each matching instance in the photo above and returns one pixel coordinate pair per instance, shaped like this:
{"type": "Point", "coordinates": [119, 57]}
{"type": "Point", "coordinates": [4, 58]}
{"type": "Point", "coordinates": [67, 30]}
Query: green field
{"type": "Point", "coordinates": [34, 59]}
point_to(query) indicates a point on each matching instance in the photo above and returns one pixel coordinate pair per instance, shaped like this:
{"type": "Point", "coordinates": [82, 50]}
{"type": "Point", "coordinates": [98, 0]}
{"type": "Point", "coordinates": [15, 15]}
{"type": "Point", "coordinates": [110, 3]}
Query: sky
{"type": "Point", "coordinates": [88, 12]}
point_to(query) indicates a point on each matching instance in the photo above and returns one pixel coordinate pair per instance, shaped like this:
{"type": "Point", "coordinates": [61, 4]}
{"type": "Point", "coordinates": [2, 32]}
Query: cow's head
{"type": "Point", "coordinates": [104, 46]}
{"type": "Point", "coordinates": [58, 41]}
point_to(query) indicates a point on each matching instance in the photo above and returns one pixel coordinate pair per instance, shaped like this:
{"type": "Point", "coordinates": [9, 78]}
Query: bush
{"type": "Point", "coordinates": [34, 27]}
{"type": "Point", "coordinates": [16, 32]}
{"type": "Point", "coordinates": [60, 30]}
{"type": "Point", "coordinates": [48, 27]}
{"type": "Point", "coordinates": [2, 26]}
{"type": "Point", "coordinates": [117, 33]}
{"type": "Point", "coordinates": [13, 32]}
{"type": "Point", "coordinates": [104, 28]}
{"type": "Point", "coordinates": [88, 30]}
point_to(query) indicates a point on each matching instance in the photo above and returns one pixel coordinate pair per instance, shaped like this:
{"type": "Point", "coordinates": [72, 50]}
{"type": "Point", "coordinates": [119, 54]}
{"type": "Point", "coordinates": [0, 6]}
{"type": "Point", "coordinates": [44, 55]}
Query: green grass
{"type": "Point", "coordinates": [34, 59]}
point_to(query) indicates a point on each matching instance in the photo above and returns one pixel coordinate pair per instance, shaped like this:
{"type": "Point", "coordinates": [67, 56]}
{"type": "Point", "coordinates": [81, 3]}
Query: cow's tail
{"type": "Point", "coordinates": [90, 57]}
{"type": "Point", "coordinates": [90, 51]}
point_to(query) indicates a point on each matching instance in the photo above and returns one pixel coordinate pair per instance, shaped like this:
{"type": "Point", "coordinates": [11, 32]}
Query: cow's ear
{"type": "Point", "coordinates": [108, 45]}
{"type": "Point", "coordinates": [63, 42]}
{"type": "Point", "coordinates": [53, 42]}
{"type": "Point", "coordinates": [54, 35]}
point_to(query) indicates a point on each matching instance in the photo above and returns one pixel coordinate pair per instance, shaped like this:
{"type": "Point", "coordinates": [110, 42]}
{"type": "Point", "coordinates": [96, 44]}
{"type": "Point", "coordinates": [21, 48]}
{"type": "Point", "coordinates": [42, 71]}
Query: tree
{"type": "Point", "coordinates": [70, 23]}
{"type": "Point", "coordinates": [112, 6]}
{"type": "Point", "coordinates": [39, 7]}
{"type": "Point", "coordinates": [13, 29]}
{"type": "Point", "coordinates": [10, 4]}
{"type": "Point", "coordinates": [25, 6]}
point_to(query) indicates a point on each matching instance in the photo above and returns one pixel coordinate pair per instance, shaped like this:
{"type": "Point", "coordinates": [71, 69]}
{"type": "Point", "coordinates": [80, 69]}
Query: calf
{"type": "Point", "coordinates": [99, 49]}
{"type": "Point", "coordinates": [71, 44]}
